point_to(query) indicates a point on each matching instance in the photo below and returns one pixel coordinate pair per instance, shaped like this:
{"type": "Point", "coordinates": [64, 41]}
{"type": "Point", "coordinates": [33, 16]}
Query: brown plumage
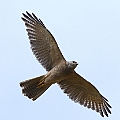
{"type": "Point", "coordinates": [59, 70]}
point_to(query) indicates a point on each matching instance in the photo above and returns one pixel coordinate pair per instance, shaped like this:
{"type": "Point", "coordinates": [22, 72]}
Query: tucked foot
{"type": "Point", "coordinates": [41, 83]}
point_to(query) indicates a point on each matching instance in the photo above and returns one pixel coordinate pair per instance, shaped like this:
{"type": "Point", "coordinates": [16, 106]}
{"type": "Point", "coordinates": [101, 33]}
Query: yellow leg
{"type": "Point", "coordinates": [42, 82]}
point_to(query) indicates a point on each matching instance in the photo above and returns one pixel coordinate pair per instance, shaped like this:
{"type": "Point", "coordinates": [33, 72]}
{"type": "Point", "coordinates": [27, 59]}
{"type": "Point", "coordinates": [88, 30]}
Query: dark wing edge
{"type": "Point", "coordinates": [80, 90]}
{"type": "Point", "coordinates": [42, 42]}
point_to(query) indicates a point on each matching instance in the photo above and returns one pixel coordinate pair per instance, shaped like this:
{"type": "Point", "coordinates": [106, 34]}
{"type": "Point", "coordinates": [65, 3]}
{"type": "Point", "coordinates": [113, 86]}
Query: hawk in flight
{"type": "Point", "coordinates": [59, 70]}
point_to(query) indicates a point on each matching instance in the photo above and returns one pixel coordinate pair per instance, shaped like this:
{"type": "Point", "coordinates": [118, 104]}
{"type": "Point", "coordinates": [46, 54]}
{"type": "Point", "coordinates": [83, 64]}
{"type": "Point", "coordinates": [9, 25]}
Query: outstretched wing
{"type": "Point", "coordinates": [42, 42]}
{"type": "Point", "coordinates": [80, 90]}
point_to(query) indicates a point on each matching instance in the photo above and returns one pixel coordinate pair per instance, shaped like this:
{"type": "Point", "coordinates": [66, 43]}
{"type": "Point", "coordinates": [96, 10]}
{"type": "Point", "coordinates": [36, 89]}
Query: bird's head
{"type": "Point", "coordinates": [72, 64]}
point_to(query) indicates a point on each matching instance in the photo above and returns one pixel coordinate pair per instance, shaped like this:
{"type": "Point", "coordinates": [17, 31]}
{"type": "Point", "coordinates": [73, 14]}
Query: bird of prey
{"type": "Point", "coordinates": [59, 70]}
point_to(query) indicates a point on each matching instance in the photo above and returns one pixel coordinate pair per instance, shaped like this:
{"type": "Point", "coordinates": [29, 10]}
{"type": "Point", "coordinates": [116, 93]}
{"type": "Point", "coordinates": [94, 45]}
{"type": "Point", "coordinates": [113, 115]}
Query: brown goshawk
{"type": "Point", "coordinates": [58, 70]}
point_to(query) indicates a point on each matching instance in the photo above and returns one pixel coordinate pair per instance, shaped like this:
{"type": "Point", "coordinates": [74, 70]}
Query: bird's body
{"type": "Point", "coordinates": [58, 70]}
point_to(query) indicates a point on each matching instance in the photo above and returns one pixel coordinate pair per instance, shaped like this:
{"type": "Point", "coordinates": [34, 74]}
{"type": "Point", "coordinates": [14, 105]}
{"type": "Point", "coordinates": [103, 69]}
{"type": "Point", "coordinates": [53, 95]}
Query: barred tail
{"type": "Point", "coordinates": [30, 88]}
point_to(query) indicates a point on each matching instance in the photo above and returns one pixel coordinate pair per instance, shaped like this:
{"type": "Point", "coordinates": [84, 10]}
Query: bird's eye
{"type": "Point", "coordinates": [74, 62]}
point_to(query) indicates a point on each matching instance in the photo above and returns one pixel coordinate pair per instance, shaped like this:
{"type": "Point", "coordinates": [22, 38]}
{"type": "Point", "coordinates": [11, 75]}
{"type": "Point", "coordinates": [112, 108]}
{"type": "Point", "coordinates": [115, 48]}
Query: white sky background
{"type": "Point", "coordinates": [87, 31]}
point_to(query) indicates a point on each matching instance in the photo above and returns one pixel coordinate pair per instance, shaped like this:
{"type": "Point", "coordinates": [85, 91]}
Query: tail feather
{"type": "Point", "coordinates": [31, 89]}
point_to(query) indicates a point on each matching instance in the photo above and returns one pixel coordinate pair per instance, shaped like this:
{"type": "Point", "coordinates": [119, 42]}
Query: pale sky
{"type": "Point", "coordinates": [87, 31]}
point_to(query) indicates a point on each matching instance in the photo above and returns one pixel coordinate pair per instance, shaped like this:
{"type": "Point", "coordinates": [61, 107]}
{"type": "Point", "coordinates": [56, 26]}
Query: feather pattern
{"type": "Point", "coordinates": [42, 42]}
{"type": "Point", "coordinates": [80, 90]}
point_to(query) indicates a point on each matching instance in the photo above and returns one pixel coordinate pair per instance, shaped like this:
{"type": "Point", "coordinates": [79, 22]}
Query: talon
{"type": "Point", "coordinates": [41, 83]}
